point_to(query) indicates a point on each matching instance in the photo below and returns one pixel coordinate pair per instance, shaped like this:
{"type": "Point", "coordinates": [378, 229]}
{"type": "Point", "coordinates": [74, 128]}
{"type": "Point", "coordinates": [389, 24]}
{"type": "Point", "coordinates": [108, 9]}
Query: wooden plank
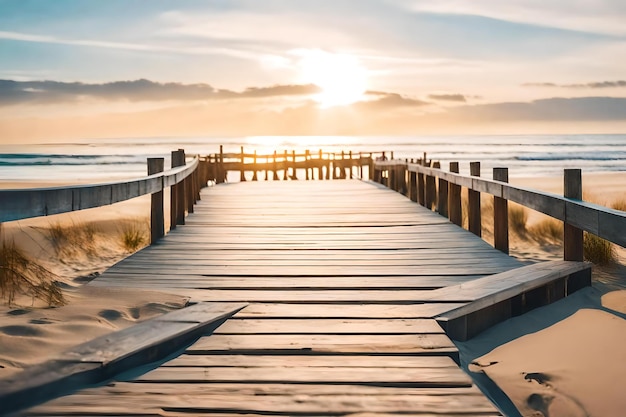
{"type": "Point", "coordinates": [451, 376]}
{"type": "Point", "coordinates": [430, 344]}
{"type": "Point", "coordinates": [408, 311]}
{"type": "Point", "coordinates": [311, 405]}
{"type": "Point", "coordinates": [329, 326]}
{"type": "Point", "coordinates": [258, 283]}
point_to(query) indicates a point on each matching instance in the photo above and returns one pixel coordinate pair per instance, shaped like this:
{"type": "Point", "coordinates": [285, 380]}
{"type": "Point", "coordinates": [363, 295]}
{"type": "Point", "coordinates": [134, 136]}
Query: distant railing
{"type": "Point", "coordinates": [327, 165]}
{"type": "Point", "coordinates": [184, 179]}
{"type": "Point", "coordinates": [424, 182]}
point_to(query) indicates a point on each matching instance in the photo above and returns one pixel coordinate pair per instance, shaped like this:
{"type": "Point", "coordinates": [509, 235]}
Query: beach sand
{"type": "Point", "coordinates": [566, 359]}
{"type": "Point", "coordinates": [579, 353]}
{"type": "Point", "coordinates": [90, 241]}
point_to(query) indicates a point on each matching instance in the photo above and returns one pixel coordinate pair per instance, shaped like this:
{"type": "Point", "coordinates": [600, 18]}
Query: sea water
{"type": "Point", "coordinates": [120, 158]}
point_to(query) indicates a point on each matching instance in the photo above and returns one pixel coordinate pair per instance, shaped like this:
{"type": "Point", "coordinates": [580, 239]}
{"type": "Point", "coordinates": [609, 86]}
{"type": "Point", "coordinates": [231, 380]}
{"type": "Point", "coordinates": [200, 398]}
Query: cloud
{"type": "Point", "coordinates": [599, 16]}
{"type": "Point", "coordinates": [448, 97]}
{"type": "Point", "coordinates": [46, 92]}
{"type": "Point", "coordinates": [545, 110]}
{"type": "Point", "coordinates": [598, 84]}
{"type": "Point", "coordinates": [388, 101]}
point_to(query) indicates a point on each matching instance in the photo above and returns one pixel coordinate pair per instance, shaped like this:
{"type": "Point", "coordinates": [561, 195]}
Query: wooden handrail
{"type": "Point", "coordinates": [602, 221]}
{"type": "Point", "coordinates": [35, 202]}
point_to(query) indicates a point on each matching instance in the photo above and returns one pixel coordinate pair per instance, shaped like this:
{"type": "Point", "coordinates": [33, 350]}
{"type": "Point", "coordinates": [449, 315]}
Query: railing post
{"type": "Point", "coordinates": [267, 167]}
{"type": "Point", "coordinates": [254, 176]}
{"type": "Point", "coordinates": [275, 167]}
{"type": "Point", "coordinates": [285, 166]}
{"type": "Point", "coordinates": [572, 236]}
{"type": "Point", "coordinates": [220, 164]}
{"type": "Point", "coordinates": [413, 185]}
{"type": "Point", "coordinates": [307, 163]}
{"type": "Point", "coordinates": [350, 163]}
{"type": "Point", "coordinates": [421, 186]}
{"type": "Point", "coordinates": [474, 215]}
{"type": "Point", "coordinates": [242, 173]}
{"type": "Point", "coordinates": [157, 218]}
{"type": "Point", "coordinates": [501, 214]}
{"type": "Point", "coordinates": [175, 190]}
{"type": "Point", "coordinates": [442, 197]}
{"type": "Point", "coordinates": [189, 193]}
{"type": "Point", "coordinates": [454, 198]}
{"type": "Point", "coordinates": [181, 196]}
{"type": "Point", "coordinates": [294, 175]}
{"type": "Point", "coordinates": [431, 189]}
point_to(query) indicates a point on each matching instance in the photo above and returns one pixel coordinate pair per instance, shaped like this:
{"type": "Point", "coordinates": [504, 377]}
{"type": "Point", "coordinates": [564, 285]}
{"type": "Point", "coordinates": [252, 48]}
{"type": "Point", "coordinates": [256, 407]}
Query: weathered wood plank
{"type": "Point", "coordinates": [430, 344]}
{"type": "Point", "coordinates": [408, 311]}
{"type": "Point", "coordinates": [329, 326]}
{"type": "Point", "coordinates": [451, 376]}
{"type": "Point", "coordinates": [326, 361]}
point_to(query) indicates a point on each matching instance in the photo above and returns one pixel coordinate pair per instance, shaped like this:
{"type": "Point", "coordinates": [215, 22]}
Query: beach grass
{"type": "Point", "coordinates": [548, 230]}
{"type": "Point", "coordinates": [518, 218]}
{"type": "Point", "coordinates": [134, 235]}
{"type": "Point", "coordinates": [20, 275]}
{"type": "Point", "coordinates": [597, 250]}
{"type": "Point", "coordinates": [74, 237]}
{"type": "Point", "coordinates": [619, 204]}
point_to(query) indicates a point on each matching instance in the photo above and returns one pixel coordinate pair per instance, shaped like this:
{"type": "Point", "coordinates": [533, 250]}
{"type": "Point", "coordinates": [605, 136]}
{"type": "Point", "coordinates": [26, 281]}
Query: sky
{"type": "Point", "coordinates": [78, 69]}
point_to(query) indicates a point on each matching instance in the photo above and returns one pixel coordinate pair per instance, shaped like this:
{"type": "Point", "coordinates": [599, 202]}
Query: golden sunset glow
{"type": "Point", "coordinates": [342, 78]}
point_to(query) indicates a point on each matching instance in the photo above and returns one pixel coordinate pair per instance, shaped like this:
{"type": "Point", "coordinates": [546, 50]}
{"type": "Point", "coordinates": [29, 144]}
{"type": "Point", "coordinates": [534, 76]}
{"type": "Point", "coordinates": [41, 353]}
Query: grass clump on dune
{"type": "Point", "coordinates": [134, 236]}
{"type": "Point", "coordinates": [75, 237]}
{"type": "Point", "coordinates": [518, 217]}
{"type": "Point", "coordinates": [619, 205]}
{"type": "Point", "coordinates": [20, 275]}
{"type": "Point", "coordinates": [550, 230]}
{"type": "Point", "coordinates": [597, 250]}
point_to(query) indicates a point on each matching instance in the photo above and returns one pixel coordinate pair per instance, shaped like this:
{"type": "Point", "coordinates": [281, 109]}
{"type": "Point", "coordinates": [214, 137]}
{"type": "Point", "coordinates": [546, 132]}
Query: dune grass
{"type": "Point", "coordinates": [20, 275]}
{"type": "Point", "coordinates": [134, 235]}
{"type": "Point", "coordinates": [548, 230]}
{"type": "Point", "coordinates": [619, 204]}
{"type": "Point", "coordinates": [598, 250]}
{"type": "Point", "coordinates": [518, 218]}
{"type": "Point", "coordinates": [74, 237]}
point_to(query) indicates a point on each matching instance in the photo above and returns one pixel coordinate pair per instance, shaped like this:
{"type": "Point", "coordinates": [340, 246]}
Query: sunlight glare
{"type": "Point", "coordinates": [341, 77]}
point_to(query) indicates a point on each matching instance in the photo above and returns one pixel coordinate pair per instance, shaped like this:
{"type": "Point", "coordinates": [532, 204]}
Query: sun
{"type": "Point", "coordinates": [342, 79]}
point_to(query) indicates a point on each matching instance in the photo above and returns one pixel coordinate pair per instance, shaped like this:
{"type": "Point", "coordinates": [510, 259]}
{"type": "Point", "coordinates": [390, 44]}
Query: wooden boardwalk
{"type": "Point", "coordinates": [338, 276]}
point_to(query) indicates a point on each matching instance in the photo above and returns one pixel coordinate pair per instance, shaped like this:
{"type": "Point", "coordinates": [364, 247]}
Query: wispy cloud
{"type": "Point", "coordinates": [18, 92]}
{"type": "Point", "coordinates": [599, 16]}
{"type": "Point", "coordinates": [597, 84]}
{"type": "Point", "coordinates": [448, 97]}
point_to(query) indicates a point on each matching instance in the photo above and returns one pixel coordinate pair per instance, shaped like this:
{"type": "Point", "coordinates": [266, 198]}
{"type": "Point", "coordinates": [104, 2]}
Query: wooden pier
{"type": "Point", "coordinates": [352, 293]}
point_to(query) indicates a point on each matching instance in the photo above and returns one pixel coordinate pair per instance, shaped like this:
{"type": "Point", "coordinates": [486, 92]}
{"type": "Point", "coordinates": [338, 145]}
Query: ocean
{"type": "Point", "coordinates": [113, 159]}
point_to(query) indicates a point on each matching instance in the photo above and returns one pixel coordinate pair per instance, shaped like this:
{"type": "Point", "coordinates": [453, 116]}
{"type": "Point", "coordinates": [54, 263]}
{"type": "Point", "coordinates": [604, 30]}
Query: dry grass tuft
{"type": "Point", "coordinates": [619, 204]}
{"type": "Point", "coordinates": [20, 275]}
{"type": "Point", "coordinates": [598, 250]}
{"type": "Point", "coordinates": [134, 236]}
{"type": "Point", "coordinates": [549, 230]}
{"type": "Point", "coordinates": [518, 217]}
{"type": "Point", "coordinates": [73, 238]}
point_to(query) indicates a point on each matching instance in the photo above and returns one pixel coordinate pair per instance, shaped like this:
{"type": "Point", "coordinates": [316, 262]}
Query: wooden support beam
{"type": "Point", "coordinates": [454, 198]}
{"type": "Point", "coordinates": [413, 186]}
{"type": "Point", "coordinates": [474, 215]}
{"type": "Point", "coordinates": [275, 168]}
{"type": "Point", "coordinates": [431, 190]}
{"type": "Point", "coordinates": [421, 187]}
{"type": "Point", "coordinates": [157, 218]}
{"type": "Point", "coordinates": [442, 197]}
{"type": "Point", "coordinates": [501, 214]}
{"type": "Point", "coordinates": [573, 237]}
{"type": "Point", "coordinates": [254, 175]}
{"type": "Point", "coordinates": [181, 195]}
{"type": "Point", "coordinates": [242, 173]}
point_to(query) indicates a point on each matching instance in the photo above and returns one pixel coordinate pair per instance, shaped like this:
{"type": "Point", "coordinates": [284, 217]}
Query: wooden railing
{"type": "Point", "coordinates": [327, 165]}
{"type": "Point", "coordinates": [185, 180]}
{"type": "Point", "coordinates": [426, 183]}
